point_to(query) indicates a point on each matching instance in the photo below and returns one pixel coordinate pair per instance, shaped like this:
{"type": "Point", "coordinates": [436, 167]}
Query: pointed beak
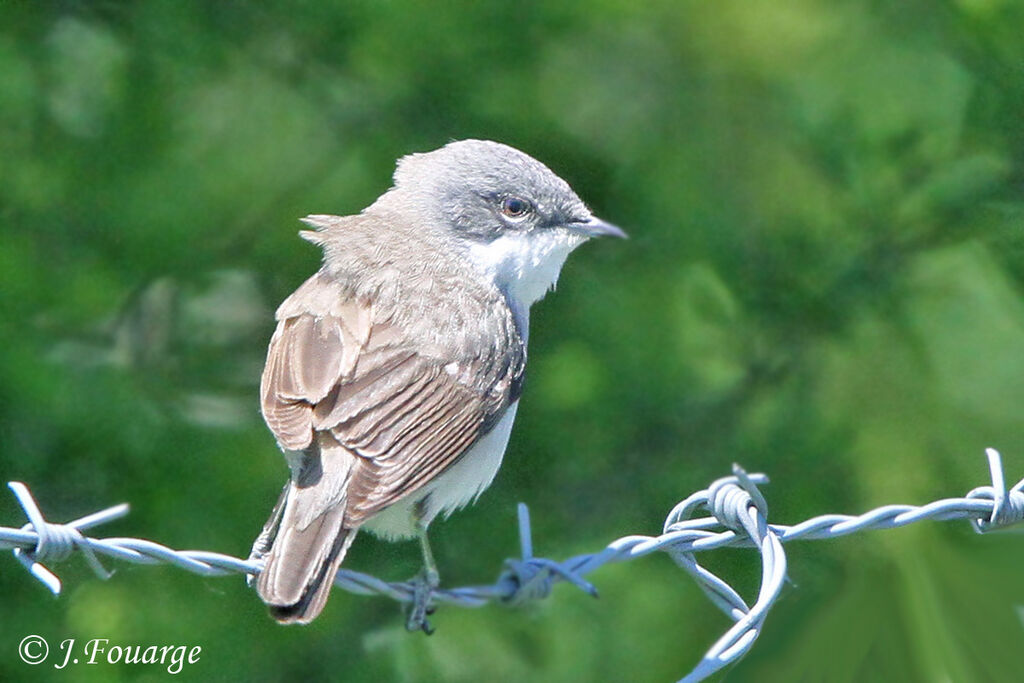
{"type": "Point", "coordinates": [595, 227]}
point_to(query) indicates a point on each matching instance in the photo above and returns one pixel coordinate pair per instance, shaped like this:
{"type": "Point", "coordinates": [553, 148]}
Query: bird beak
{"type": "Point", "coordinates": [595, 227]}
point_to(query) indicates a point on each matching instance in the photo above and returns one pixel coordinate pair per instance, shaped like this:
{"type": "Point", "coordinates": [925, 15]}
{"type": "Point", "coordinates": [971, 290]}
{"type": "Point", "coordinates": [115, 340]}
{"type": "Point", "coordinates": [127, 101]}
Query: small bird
{"type": "Point", "coordinates": [393, 376]}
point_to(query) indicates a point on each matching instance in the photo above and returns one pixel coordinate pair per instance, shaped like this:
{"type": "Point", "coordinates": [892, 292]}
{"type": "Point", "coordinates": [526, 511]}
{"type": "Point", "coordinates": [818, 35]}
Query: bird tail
{"type": "Point", "coordinates": [311, 539]}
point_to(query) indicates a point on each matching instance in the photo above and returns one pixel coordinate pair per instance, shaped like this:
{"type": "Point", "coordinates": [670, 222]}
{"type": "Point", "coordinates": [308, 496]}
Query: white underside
{"type": "Point", "coordinates": [456, 487]}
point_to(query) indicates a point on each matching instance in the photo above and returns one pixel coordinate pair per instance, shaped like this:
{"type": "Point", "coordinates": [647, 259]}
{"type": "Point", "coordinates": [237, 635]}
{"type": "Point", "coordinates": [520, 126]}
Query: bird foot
{"type": "Point", "coordinates": [423, 584]}
{"type": "Point", "coordinates": [265, 541]}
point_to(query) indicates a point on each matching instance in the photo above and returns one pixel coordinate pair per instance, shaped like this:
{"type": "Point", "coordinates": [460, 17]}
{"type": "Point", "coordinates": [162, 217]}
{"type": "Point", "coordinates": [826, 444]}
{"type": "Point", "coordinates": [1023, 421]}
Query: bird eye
{"type": "Point", "coordinates": [514, 207]}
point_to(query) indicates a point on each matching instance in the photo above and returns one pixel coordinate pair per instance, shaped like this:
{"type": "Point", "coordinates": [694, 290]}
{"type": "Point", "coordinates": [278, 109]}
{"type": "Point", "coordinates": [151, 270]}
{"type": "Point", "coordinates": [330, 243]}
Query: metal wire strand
{"type": "Point", "coordinates": [738, 517]}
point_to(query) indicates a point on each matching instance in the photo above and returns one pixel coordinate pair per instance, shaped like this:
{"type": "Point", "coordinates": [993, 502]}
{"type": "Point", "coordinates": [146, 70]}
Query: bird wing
{"type": "Point", "coordinates": [335, 368]}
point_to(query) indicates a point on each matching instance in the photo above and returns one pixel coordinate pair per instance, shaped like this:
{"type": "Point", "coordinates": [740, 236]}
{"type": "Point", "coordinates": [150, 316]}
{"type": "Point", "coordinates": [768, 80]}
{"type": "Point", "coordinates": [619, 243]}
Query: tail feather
{"type": "Point", "coordinates": [307, 593]}
{"type": "Point", "coordinates": [311, 540]}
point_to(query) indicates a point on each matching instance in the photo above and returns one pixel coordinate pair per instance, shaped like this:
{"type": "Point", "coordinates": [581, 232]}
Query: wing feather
{"type": "Point", "coordinates": [314, 355]}
{"type": "Point", "coordinates": [337, 365]}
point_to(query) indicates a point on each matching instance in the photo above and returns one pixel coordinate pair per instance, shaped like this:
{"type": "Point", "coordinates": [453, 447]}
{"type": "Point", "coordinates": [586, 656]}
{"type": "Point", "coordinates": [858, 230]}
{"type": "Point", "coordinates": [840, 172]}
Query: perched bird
{"type": "Point", "coordinates": [393, 376]}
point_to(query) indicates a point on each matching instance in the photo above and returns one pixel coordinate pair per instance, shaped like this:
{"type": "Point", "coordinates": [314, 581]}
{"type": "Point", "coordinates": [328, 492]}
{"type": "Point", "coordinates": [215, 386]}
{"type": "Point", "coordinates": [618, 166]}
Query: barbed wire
{"type": "Point", "coordinates": [739, 517]}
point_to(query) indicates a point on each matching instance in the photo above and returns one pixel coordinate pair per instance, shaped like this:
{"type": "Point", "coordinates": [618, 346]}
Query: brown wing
{"type": "Point", "coordinates": [332, 367]}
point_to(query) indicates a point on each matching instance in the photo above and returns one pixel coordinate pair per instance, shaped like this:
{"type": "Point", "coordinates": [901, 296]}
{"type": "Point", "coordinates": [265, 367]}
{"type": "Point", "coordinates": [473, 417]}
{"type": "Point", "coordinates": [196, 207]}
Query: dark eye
{"type": "Point", "coordinates": [514, 207]}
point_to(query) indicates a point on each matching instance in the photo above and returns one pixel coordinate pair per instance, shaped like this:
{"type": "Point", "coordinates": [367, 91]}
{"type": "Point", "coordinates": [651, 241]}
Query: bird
{"type": "Point", "coordinates": [394, 373]}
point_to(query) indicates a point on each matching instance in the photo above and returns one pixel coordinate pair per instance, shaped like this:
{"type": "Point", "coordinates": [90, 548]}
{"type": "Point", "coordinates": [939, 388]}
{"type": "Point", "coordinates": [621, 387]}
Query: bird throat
{"type": "Point", "coordinates": [524, 266]}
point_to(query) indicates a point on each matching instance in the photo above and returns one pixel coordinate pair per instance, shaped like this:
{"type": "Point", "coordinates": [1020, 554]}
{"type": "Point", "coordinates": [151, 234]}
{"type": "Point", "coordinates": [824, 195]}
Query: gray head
{"type": "Point", "coordinates": [512, 217]}
{"type": "Point", "coordinates": [484, 189]}
{"type": "Point", "coordinates": [473, 202]}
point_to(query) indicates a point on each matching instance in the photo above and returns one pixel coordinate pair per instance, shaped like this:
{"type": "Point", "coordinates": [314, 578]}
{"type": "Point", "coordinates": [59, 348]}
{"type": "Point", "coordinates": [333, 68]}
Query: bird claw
{"type": "Point", "coordinates": [423, 586]}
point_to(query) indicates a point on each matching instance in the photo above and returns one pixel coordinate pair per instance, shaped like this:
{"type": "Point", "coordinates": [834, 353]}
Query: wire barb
{"type": "Point", "coordinates": [1007, 506]}
{"type": "Point", "coordinates": [738, 517]}
{"type": "Point", "coordinates": [531, 578]}
{"type": "Point", "coordinates": [56, 542]}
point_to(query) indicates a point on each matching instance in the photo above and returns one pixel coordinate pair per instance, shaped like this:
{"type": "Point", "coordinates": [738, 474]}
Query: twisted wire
{"type": "Point", "coordinates": [738, 517]}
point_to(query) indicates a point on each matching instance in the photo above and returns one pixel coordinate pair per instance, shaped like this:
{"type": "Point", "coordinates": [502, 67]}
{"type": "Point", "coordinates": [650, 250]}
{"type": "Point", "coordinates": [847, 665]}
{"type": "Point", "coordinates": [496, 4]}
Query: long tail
{"type": "Point", "coordinates": [311, 539]}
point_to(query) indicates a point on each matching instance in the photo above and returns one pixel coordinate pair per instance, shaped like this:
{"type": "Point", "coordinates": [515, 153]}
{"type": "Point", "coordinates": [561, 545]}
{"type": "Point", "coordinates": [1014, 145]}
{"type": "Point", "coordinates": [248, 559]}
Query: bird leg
{"type": "Point", "coordinates": [261, 546]}
{"type": "Point", "coordinates": [424, 584]}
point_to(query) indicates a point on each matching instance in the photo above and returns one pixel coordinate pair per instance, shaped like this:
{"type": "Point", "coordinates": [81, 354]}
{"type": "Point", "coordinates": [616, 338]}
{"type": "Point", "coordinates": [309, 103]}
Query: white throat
{"type": "Point", "coordinates": [525, 266]}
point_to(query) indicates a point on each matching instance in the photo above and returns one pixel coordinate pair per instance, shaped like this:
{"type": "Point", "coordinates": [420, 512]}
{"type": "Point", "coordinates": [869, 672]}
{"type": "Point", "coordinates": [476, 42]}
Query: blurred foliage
{"type": "Point", "coordinates": [824, 283]}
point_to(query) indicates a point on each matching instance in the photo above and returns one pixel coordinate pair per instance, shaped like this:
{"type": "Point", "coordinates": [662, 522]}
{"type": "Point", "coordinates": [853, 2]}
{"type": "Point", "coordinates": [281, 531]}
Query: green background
{"type": "Point", "coordinates": [824, 283]}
